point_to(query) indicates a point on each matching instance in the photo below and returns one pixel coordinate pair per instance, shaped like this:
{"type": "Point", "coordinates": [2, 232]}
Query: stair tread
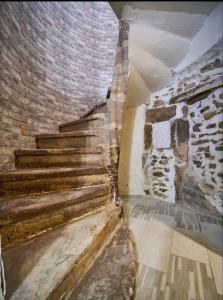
{"type": "Point", "coordinates": [42, 152]}
{"type": "Point", "coordinates": [100, 104]}
{"type": "Point", "coordinates": [13, 209]}
{"type": "Point", "coordinates": [115, 263]}
{"type": "Point", "coordinates": [36, 268]}
{"type": "Point", "coordinates": [69, 134]}
{"type": "Point", "coordinates": [23, 174]}
{"type": "Point", "coordinates": [85, 119]}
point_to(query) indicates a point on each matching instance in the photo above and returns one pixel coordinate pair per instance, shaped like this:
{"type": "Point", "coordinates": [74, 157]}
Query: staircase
{"type": "Point", "coordinates": [57, 218]}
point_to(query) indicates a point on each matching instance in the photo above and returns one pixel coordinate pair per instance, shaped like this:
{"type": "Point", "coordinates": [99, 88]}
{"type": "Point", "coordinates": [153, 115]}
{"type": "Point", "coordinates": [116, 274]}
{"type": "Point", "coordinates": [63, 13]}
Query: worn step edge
{"type": "Point", "coordinates": [14, 209]}
{"type": "Point", "coordinates": [86, 119]}
{"type": "Point", "coordinates": [43, 152]}
{"type": "Point", "coordinates": [56, 184]}
{"type": "Point", "coordinates": [118, 255]}
{"type": "Point", "coordinates": [83, 133]}
{"type": "Point", "coordinates": [63, 277]}
{"type": "Point", "coordinates": [70, 282]}
{"type": "Point", "coordinates": [59, 161]}
{"type": "Point", "coordinates": [102, 103]}
{"type": "Point", "coordinates": [32, 174]}
{"type": "Point", "coordinates": [29, 228]}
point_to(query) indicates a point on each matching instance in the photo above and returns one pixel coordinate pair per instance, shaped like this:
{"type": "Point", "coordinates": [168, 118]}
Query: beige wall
{"type": "Point", "coordinates": [131, 178]}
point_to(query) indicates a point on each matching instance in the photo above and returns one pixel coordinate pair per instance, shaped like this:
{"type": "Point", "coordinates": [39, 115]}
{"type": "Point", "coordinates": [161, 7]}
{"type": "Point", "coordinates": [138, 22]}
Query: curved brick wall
{"type": "Point", "coordinates": [56, 58]}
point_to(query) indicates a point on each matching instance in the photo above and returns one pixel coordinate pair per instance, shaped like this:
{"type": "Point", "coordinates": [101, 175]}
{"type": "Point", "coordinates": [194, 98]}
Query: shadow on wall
{"type": "Point", "coordinates": [130, 165]}
{"type": "Point", "coordinates": [126, 149]}
{"type": "Point", "coordinates": [131, 179]}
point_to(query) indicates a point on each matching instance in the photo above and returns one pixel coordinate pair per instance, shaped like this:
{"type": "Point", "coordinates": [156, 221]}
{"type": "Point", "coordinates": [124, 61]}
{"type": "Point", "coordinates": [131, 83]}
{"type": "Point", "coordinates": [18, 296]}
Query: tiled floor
{"type": "Point", "coordinates": [179, 250]}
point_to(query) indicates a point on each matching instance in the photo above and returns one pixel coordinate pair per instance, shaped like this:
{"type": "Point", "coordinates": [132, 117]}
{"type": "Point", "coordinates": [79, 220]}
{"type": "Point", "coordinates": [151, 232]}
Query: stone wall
{"type": "Point", "coordinates": [56, 60]}
{"type": "Point", "coordinates": [183, 136]}
{"type": "Point", "coordinates": [118, 101]}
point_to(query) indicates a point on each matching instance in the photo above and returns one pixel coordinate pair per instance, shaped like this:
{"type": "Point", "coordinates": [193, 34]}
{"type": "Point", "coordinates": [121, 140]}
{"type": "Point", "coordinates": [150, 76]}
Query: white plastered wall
{"type": "Point", "coordinates": [209, 34]}
{"type": "Point", "coordinates": [156, 49]}
{"type": "Point", "coordinates": [131, 177]}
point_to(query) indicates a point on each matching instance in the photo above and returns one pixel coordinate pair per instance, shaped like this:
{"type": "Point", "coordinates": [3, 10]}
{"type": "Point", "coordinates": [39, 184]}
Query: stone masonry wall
{"type": "Point", "coordinates": [117, 101]}
{"type": "Point", "coordinates": [184, 135]}
{"type": "Point", "coordinates": [56, 60]}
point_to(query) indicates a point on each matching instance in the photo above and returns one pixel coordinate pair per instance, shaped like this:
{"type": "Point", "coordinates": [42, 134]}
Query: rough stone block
{"type": "Point", "coordinates": [180, 138]}
{"type": "Point", "coordinates": [160, 114]}
{"type": "Point", "coordinates": [147, 136]}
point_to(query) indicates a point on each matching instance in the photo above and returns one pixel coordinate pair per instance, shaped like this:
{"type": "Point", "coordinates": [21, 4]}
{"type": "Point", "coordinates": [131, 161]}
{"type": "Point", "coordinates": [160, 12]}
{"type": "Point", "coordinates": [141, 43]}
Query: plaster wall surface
{"type": "Point", "coordinates": [131, 178]}
{"type": "Point", "coordinates": [209, 34]}
{"type": "Point", "coordinates": [138, 90]}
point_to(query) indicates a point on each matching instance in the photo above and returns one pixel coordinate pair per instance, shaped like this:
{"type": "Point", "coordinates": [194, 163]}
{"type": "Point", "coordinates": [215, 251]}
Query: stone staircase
{"type": "Point", "coordinates": [57, 217]}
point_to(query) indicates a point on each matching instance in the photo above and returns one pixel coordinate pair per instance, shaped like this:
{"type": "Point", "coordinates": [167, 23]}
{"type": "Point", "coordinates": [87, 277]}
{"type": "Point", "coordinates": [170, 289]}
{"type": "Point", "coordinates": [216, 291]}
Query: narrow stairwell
{"type": "Point", "coordinates": [57, 216]}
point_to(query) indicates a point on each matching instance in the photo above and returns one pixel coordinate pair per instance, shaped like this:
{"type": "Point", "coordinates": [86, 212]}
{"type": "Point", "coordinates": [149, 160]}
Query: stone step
{"type": "Point", "coordinates": [80, 139]}
{"type": "Point", "coordinates": [32, 181]}
{"type": "Point", "coordinates": [51, 265]}
{"type": "Point", "coordinates": [41, 158]}
{"type": "Point", "coordinates": [112, 275]}
{"type": "Point", "coordinates": [97, 121]}
{"type": "Point", "coordinates": [98, 108]}
{"type": "Point", "coordinates": [25, 216]}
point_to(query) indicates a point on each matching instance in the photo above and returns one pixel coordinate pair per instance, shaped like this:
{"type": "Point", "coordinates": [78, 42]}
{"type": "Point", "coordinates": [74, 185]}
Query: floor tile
{"type": "Point", "coordinates": [216, 262]}
{"type": "Point", "coordinates": [185, 247]}
{"type": "Point", "coordinates": [153, 242]}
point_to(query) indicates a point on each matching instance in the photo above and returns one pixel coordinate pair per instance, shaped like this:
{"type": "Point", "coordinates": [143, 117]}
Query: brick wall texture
{"type": "Point", "coordinates": [56, 61]}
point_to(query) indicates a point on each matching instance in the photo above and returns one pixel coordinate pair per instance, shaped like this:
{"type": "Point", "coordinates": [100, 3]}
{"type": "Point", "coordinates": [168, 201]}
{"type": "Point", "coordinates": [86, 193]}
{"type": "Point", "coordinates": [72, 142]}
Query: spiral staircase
{"type": "Point", "coordinates": [57, 218]}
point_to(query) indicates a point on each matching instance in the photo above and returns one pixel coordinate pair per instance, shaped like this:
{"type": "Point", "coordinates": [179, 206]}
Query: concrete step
{"type": "Point", "coordinates": [96, 121]}
{"type": "Point", "coordinates": [112, 276]}
{"type": "Point", "coordinates": [41, 158]}
{"type": "Point", "coordinates": [25, 216]}
{"type": "Point", "coordinates": [32, 181]}
{"type": "Point", "coordinates": [79, 139]}
{"type": "Point", "coordinates": [51, 265]}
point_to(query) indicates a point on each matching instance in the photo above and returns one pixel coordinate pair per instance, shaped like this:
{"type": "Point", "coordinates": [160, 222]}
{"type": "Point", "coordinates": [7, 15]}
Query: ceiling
{"type": "Point", "coordinates": [160, 37]}
{"type": "Point", "coordinates": [193, 7]}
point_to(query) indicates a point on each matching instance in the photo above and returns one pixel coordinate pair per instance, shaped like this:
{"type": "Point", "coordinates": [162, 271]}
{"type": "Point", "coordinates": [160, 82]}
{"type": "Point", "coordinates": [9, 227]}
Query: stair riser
{"type": "Point", "coordinates": [65, 289]}
{"type": "Point", "coordinates": [86, 125]}
{"type": "Point", "coordinates": [66, 160]}
{"type": "Point", "coordinates": [69, 142]}
{"type": "Point", "coordinates": [30, 227]}
{"type": "Point", "coordinates": [99, 110]}
{"type": "Point", "coordinates": [24, 187]}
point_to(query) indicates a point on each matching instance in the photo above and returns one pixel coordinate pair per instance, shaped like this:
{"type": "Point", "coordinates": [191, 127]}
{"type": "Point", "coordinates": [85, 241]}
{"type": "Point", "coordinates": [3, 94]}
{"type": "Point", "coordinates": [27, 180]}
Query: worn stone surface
{"type": "Point", "coordinates": [160, 114]}
{"type": "Point", "coordinates": [179, 181]}
{"type": "Point", "coordinates": [112, 276]}
{"type": "Point", "coordinates": [32, 181]}
{"type": "Point", "coordinates": [25, 216]}
{"type": "Point", "coordinates": [85, 138]}
{"type": "Point", "coordinates": [185, 111]}
{"type": "Point", "coordinates": [64, 253]}
{"type": "Point", "coordinates": [180, 138]}
{"type": "Point", "coordinates": [116, 104]}
{"type": "Point", "coordinates": [204, 146]}
{"type": "Point", "coordinates": [91, 122]}
{"type": "Point", "coordinates": [147, 136]}
{"type": "Point", "coordinates": [159, 174]}
{"type": "Point", "coordinates": [158, 103]}
{"type": "Point", "coordinates": [42, 158]}
{"type": "Point", "coordinates": [194, 196]}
